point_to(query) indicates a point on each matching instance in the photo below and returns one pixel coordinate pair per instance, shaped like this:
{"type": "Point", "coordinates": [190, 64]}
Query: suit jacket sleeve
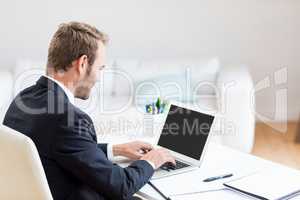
{"type": "Point", "coordinates": [103, 147]}
{"type": "Point", "coordinates": [77, 152]}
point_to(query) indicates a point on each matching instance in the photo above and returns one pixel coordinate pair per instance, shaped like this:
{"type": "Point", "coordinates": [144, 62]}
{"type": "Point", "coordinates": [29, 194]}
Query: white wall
{"type": "Point", "coordinates": [264, 34]}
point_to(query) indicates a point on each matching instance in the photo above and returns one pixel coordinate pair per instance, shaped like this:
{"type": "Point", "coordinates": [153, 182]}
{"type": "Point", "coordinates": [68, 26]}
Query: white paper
{"type": "Point", "coordinates": [272, 183]}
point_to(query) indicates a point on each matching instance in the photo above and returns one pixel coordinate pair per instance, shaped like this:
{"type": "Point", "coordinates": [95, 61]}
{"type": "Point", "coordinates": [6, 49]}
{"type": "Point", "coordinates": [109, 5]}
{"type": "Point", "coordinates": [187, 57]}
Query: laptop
{"type": "Point", "coordinates": [185, 134]}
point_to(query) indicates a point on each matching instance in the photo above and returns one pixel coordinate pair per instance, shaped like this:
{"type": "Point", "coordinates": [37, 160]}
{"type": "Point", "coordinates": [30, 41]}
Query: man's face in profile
{"type": "Point", "coordinates": [92, 74]}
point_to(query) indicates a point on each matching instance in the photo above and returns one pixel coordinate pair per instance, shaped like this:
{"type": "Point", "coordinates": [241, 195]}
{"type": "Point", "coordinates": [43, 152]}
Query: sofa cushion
{"type": "Point", "coordinates": [26, 73]}
{"type": "Point", "coordinates": [201, 75]}
{"type": "Point", "coordinates": [168, 87]}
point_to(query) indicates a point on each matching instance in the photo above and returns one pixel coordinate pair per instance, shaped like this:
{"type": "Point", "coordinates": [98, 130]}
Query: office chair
{"type": "Point", "coordinates": [21, 172]}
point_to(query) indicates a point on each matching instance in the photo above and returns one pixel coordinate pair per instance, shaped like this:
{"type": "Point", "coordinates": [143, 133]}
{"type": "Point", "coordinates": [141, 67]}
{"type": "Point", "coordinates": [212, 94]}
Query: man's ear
{"type": "Point", "coordinates": [81, 64]}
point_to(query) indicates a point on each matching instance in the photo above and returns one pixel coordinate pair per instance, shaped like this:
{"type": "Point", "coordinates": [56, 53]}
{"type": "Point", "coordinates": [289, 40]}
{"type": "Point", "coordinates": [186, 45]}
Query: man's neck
{"type": "Point", "coordinates": [62, 85]}
{"type": "Point", "coordinates": [64, 80]}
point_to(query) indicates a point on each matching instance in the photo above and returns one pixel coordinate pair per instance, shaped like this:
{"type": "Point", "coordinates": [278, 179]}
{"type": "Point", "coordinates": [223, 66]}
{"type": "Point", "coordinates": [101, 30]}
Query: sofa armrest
{"type": "Point", "coordinates": [236, 107]}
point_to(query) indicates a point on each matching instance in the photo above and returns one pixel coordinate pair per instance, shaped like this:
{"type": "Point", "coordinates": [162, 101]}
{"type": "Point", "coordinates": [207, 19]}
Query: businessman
{"type": "Point", "coordinates": [77, 168]}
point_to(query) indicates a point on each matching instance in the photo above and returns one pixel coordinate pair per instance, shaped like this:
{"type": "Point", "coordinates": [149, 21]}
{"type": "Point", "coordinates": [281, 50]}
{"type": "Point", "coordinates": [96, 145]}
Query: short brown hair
{"type": "Point", "coordinates": [71, 41]}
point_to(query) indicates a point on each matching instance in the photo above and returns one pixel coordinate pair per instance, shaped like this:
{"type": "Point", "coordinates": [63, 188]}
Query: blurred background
{"type": "Point", "coordinates": [263, 35]}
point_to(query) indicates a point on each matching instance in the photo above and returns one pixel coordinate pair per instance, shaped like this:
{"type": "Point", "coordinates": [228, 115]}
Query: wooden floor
{"type": "Point", "coordinates": [276, 146]}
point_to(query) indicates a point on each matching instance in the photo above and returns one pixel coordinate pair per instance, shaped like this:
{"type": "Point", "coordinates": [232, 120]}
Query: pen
{"type": "Point", "coordinates": [158, 191]}
{"type": "Point", "coordinates": [217, 177]}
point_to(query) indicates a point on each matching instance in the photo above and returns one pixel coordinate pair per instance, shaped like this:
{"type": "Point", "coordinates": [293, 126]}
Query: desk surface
{"type": "Point", "coordinates": [218, 160]}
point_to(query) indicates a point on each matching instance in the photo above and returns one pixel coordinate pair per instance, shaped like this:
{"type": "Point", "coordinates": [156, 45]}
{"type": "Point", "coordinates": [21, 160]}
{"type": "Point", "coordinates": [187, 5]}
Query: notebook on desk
{"type": "Point", "coordinates": [275, 184]}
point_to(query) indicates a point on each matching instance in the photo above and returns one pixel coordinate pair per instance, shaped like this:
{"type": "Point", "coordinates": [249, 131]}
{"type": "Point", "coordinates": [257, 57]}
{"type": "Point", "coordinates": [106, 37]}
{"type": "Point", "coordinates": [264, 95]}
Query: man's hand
{"type": "Point", "coordinates": [159, 157]}
{"type": "Point", "coordinates": [133, 150]}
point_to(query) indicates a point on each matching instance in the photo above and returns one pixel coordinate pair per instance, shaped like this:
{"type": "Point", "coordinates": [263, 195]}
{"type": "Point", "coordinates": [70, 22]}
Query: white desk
{"type": "Point", "coordinates": [218, 160]}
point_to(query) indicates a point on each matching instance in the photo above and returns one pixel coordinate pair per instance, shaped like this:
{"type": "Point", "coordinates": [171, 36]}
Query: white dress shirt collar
{"type": "Point", "coordinates": [69, 94]}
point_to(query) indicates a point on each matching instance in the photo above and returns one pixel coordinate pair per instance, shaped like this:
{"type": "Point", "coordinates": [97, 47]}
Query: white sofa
{"type": "Point", "coordinates": [128, 84]}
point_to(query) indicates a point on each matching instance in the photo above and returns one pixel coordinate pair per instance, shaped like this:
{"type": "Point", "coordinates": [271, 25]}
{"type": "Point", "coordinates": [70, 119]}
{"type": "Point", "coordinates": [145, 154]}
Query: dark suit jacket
{"type": "Point", "coordinates": [76, 166]}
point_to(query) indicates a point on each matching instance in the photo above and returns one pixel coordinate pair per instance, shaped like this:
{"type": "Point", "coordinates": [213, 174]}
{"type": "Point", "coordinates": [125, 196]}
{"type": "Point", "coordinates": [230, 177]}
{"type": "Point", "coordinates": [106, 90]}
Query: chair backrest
{"type": "Point", "coordinates": [21, 172]}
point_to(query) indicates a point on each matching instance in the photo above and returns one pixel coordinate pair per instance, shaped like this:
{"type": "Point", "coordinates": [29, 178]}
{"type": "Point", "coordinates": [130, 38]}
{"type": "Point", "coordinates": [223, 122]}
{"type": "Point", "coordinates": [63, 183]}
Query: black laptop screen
{"type": "Point", "coordinates": [186, 131]}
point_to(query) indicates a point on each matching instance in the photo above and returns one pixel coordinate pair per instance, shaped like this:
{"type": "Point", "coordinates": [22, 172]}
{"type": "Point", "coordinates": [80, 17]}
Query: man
{"type": "Point", "coordinates": [76, 166]}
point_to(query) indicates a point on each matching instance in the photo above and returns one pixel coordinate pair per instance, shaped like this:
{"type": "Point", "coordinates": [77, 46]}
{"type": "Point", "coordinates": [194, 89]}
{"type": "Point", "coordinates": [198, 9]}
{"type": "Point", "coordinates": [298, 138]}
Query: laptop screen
{"type": "Point", "coordinates": [185, 131]}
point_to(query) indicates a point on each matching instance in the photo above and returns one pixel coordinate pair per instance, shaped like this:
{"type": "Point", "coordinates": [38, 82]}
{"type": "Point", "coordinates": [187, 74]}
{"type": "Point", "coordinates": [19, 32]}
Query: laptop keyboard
{"type": "Point", "coordinates": [169, 166]}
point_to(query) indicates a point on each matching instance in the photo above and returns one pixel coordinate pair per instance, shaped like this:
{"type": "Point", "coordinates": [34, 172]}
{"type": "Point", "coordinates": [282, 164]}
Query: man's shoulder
{"type": "Point", "coordinates": [40, 105]}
